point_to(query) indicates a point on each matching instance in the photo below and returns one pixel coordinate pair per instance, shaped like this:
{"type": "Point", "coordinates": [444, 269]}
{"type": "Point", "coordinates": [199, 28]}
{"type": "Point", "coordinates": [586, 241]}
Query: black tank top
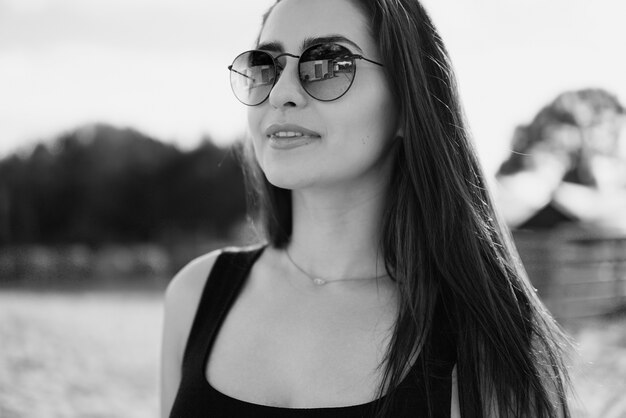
{"type": "Point", "coordinates": [197, 398]}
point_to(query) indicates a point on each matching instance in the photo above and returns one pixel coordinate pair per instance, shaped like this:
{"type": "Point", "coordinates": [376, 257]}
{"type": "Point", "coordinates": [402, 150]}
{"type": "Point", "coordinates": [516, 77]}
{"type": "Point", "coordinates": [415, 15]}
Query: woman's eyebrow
{"type": "Point", "coordinates": [310, 41]}
{"type": "Point", "coordinates": [276, 46]}
{"type": "Point", "coordinates": [271, 47]}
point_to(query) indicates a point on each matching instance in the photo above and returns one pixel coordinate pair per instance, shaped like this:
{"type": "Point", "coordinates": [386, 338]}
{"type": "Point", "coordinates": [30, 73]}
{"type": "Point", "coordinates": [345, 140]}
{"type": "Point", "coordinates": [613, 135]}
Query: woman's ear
{"type": "Point", "coordinates": [400, 129]}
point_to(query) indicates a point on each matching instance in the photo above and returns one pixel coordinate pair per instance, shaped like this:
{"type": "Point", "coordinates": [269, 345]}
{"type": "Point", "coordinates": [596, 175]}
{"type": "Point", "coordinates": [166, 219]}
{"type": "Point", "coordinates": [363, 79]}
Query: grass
{"type": "Point", "coordinates": [95, 355]}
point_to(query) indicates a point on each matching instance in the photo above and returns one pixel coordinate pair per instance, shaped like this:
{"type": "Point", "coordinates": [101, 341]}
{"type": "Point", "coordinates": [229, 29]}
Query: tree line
{"type": "Point", "coordinates": [101, 184]}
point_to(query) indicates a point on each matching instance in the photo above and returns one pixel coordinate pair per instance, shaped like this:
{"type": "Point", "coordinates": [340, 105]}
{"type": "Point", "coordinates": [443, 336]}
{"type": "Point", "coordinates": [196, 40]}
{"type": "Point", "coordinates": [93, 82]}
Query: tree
{"type": "Point", "coordinates": [100, 183]}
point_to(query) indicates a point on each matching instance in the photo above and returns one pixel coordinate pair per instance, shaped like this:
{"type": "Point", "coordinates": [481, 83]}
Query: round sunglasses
{"type": "Point", "coordinates": [326, 72]}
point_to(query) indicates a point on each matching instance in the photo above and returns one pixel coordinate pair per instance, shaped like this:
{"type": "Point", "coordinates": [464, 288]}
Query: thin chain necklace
{"type": "Point", "coordinates": [319, 281]}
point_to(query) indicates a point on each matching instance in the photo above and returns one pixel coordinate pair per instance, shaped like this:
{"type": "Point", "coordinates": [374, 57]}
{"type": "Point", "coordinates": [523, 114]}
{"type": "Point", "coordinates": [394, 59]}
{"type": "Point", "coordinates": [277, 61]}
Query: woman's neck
{"type": "Point", "coordinates": [336, 233]}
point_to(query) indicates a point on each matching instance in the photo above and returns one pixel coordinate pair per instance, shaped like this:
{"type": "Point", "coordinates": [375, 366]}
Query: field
{"type": "Point", "coordinates": [91, 355]}
{"type": "Point", "coordinates": [95, 355]}
{"type": "Point", "coordinates": [599, 367]}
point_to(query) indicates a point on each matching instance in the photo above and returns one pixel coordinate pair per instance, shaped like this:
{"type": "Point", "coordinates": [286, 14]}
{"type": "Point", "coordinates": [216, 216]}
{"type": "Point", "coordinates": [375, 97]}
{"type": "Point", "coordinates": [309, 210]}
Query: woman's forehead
{"type": "Point", "coordinates": [292, 22]}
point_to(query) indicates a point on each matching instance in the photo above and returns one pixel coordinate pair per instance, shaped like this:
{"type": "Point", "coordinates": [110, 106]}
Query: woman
{"type": "Point", "coordinates": [387, 286]}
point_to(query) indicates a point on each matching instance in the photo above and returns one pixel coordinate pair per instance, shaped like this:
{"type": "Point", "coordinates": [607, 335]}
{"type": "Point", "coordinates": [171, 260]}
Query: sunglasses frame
{"type": "Point", "coordinates": [278, 69]}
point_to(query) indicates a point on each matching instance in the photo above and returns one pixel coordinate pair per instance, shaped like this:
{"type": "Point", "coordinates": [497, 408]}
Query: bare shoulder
{"type": "Point", "coordinates": [189, 281]}
{"type": "Point", "coordinates": [183, 293]}
{"type": "Point", "coordinates": [181, 301]}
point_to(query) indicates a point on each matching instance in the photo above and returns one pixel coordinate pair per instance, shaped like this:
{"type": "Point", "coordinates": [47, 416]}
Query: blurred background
{"type": "Point", "coordinates": [118, 164]}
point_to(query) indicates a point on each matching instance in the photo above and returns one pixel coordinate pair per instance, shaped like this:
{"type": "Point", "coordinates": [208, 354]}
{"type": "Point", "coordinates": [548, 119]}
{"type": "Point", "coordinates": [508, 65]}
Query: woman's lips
{"type": "Point", "coordinates": [289, 136]}
{"type": "Point", "coordinates": [289, 128]}
{"type": "Point", "coordinates": [290, 142]}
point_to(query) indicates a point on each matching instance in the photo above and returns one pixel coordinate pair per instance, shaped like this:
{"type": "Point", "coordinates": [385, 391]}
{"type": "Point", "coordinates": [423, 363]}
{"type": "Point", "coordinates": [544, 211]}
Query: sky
{"type": "Point", "coordinates": [160, 65]}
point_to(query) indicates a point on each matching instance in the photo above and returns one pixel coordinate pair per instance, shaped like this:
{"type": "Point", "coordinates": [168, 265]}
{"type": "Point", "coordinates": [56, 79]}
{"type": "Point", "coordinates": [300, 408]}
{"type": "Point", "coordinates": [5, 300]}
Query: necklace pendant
{"type": "Point", "coordinates": [319, 281]}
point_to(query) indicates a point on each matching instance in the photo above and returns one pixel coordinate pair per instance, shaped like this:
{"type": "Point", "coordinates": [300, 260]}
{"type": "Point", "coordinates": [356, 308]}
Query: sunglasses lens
{"type": "Point", "coordinates": [252, 77]}
{"type": "Point", "coordinates": [325, 72]}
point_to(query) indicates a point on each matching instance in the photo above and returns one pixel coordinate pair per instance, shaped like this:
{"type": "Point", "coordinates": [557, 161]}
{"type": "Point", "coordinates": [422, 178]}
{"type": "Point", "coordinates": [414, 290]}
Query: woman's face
{"type": "Point", "coordinates": [343, 141]}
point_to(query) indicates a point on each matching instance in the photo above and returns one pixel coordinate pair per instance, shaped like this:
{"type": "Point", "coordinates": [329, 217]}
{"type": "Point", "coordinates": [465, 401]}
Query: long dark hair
{"type": "Point", "coordinates": [442, 239]}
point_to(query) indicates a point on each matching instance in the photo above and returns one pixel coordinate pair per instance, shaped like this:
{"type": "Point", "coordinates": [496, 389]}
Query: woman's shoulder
{"type": "Point", "coordinates": [183, 294]}
{"type": "Point", "coordinates": [189, 282]}
{"type": "Point", "coordinates": [181, 301]}
{"type": "Point", "coordinates": [190, 279]}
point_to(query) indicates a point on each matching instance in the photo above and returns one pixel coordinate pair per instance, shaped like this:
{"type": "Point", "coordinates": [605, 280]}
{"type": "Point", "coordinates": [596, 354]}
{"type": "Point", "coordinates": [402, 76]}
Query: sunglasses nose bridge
{"type": "Point", "coordinates": [287, 89]}
{"type": "Point", "coordinates": [280, 61]}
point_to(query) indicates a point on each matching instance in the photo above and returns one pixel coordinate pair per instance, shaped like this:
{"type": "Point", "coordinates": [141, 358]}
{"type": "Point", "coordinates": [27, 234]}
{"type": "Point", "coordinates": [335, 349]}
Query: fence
{"type": "Point", "coordinates": [577, 273]}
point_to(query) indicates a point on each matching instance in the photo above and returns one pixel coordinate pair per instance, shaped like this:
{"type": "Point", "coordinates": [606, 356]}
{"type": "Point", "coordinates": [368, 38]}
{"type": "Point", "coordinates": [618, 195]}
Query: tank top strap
{"type": "Point", "coordinates": [220, 291]}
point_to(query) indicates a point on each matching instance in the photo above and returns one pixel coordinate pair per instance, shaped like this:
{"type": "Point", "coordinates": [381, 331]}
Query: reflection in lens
{"type": "Point", "coordinates": [252, 76]}
{"type": "Point", "coordinates": [325, 72]}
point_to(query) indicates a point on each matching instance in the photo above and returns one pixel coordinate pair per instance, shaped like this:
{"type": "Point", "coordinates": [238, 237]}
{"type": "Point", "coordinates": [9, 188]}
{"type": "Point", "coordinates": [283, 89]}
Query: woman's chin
{"type": "Point", "coordinates": [285, 181]}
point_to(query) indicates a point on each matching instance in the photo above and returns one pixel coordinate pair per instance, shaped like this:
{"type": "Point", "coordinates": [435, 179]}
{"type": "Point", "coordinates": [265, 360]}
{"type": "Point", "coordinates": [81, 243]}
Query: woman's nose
{"type": "Point", "coordinates": [288, 92]}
